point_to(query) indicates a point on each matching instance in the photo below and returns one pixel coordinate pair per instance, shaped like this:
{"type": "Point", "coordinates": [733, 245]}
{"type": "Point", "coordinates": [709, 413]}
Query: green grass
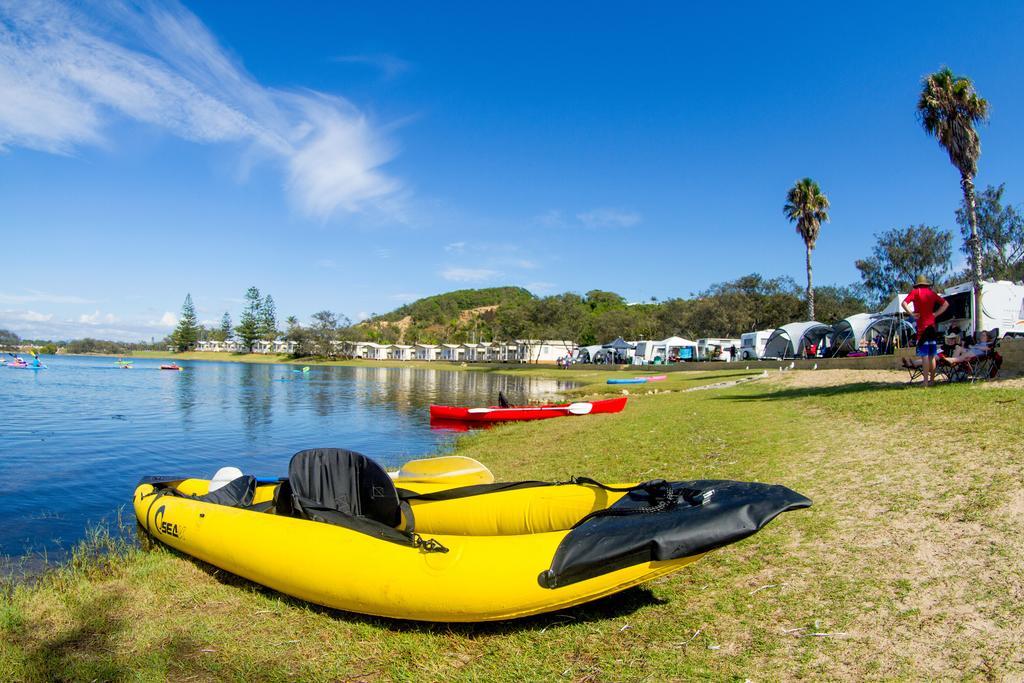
{"type": "Point", "coordinates": [910, 561]}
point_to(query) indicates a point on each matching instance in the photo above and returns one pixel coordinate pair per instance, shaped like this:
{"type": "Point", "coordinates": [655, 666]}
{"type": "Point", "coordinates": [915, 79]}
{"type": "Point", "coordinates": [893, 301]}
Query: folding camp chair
{"type": "Point", "coordinates": [913, 366]}
{"type": "Point", "coordinates": [980, 367]}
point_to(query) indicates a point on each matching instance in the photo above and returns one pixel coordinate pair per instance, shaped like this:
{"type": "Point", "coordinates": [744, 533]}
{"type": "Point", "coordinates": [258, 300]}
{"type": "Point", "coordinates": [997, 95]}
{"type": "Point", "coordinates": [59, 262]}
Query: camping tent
{"type": "Point", "coordinates": [617, 350]}
{"type": "Point", "coordinates": [586, 354]}
{"type": "Point", "coordinates": [893, 307]}
{"type": "Point", "coordinates": [847, 333]}
{"type": "Point", "coordinates": [888, 332]}
{"type": "Point", "coordinates": [790, 340]}
{"type": "Point", "coordinates": [891, 332]}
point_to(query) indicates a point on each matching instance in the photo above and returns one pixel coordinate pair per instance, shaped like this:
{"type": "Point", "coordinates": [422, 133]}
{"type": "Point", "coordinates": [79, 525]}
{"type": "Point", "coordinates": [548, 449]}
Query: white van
{"type": "Point", "coordinates": [752, 344]}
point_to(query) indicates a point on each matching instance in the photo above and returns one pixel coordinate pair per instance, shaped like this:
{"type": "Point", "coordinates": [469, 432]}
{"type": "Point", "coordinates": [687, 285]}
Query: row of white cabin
{"type": "Point", "coordinates": [260, 346]}
{"type": "Point", "coordinates": [519, 351]}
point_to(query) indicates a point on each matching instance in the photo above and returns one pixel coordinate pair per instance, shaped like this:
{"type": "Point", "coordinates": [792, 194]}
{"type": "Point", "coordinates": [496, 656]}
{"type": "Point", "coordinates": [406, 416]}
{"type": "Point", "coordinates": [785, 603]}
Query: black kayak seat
{"type": "Point", "coordinates": [346, 488]}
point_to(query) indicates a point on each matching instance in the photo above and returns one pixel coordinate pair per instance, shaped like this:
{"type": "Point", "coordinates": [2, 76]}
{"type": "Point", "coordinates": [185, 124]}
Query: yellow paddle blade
{"type": "Point", "coordinates": [457, 470]}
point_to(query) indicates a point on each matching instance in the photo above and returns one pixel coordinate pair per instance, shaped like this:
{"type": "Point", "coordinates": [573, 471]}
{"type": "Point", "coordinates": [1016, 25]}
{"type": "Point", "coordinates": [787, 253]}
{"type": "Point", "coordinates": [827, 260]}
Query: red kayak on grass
{"type": "Point", "coordinates": [520, 413]}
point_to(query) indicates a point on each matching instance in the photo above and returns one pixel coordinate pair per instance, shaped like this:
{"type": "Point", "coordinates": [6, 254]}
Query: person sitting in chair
{"type": "Point", "coordinates": [977, 350]}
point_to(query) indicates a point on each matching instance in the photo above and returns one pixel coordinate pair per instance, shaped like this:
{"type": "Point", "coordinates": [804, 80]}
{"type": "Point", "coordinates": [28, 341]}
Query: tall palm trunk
{"type": "Point", "coordinates": [810, 287]}
{"type": "Point", "coordinates": [967, 183]}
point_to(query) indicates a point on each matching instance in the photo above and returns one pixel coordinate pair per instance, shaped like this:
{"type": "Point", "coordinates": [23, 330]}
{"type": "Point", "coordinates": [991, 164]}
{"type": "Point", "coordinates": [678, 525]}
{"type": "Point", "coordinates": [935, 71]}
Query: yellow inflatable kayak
{"type": "Point", "coordinates": [439, 540]}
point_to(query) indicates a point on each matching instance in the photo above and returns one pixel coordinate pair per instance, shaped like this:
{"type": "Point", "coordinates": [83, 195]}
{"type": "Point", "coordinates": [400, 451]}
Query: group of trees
{"type": "Point", "coordinates": [901, 254]}
{"type": "Point", "coordinates": [726, 309]}
{"type": "Point", "coordinates": [258, 321]}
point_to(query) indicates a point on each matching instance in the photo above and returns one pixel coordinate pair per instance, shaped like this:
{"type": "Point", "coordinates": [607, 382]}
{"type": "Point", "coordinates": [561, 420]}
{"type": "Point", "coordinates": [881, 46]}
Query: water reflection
{"type": "Point", "coordinates": [79, 435]}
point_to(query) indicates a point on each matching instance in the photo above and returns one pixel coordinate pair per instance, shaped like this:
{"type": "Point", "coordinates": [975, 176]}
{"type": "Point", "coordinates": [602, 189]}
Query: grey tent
{"type": "Point", "coordinates": [619, 344]}
{"type": "Point", "coordinates": [790, 340]}
{"type": "Point", "coordinates": [618, 350]}
{"type": "Point", "coordinates": [893, 331]}
{"type": "Point", "coordinates": [848, 333]}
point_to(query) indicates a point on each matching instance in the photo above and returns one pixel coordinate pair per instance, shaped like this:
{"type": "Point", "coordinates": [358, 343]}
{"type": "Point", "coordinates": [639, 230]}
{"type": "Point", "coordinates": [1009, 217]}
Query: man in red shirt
{"type": "Point", "coordinates": [927, 304]}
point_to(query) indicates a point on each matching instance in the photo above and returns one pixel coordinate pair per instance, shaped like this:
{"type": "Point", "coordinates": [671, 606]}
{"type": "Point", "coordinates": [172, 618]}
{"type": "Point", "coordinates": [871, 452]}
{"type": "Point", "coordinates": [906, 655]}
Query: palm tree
{"type": "Point", "coordinates": [807, 206]}
{"type": "Point", "coordinates": [949, 108]}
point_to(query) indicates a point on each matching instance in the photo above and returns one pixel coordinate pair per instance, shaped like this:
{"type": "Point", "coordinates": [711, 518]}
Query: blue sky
{"type": "Point", "coordinates": [354, 156]}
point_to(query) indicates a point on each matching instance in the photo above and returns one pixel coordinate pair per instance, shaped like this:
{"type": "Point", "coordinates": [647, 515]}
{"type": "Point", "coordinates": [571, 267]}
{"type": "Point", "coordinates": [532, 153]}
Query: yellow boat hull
{"type": "Point", "coordinates": [500, 545]}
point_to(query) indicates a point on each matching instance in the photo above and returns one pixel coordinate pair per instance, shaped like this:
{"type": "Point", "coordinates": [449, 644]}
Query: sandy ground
{"type": "Point", "coordinates": [805, 379]}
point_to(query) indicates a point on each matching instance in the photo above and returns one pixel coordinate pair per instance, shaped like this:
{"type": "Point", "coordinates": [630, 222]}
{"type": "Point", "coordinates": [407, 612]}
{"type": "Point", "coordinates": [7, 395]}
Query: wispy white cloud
{"type": "Point", "coordinates": [609, 218]}
{"type": "Point", "coordinates": [35, 325]}
{"type": "Point", "coordinates": [524, 263]}
{"type": "Point", "coordinates": [383, 253]}
{"type": "Point", "coordinates": [389, 65]}
{"type": "Point", "coordinates": [35, 296]}
{"type": "Point", "coordinates": [67, 75]}
{"type": "Point", "coordinates": [326, 263]}
{"type": "Point", "coordinates": [455, 247]}
{"type": "Point", "coordinates": [97, 318]}
{"type": "Point", "coordinates": [405, 297]}
{"type": "Point", "coordinates": [454, 274]}
{"type": "Point", "coordinates": [552, 218]}
{"type": "Point", "coordinates": [26, 316]}
{"type": "Point", "coordinates": [541, 287]}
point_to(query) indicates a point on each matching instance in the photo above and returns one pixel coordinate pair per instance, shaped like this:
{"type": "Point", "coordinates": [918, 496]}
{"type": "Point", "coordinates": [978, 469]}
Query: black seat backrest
{"type": "Point", "coordinates": [238, 492]}
{"type": "Point", "coordinates": [338, 486]}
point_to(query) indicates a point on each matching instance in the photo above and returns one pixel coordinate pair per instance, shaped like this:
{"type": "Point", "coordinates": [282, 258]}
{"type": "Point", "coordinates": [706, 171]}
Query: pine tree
{"type": "Point", "coordinates": [187, 331]}
{"type": "Point", "coordinates": [225, 327]}
{"type": "Point", "coordinates": [268, 319]}
{"type": "Point", "coordinates": [249, 324]}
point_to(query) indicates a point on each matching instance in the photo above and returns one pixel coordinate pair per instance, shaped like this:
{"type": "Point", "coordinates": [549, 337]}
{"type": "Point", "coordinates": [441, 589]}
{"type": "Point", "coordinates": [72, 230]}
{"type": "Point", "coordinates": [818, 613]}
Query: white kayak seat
{"type": "Point", "coordinates": [223, 477]}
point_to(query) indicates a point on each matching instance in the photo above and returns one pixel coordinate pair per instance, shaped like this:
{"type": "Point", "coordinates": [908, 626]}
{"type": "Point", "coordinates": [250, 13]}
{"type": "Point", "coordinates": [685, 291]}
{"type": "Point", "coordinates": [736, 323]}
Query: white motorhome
{"type": "Point", "coordinates": [752, 344]}
{"type": "Point", "coordinates": [1002, 306]}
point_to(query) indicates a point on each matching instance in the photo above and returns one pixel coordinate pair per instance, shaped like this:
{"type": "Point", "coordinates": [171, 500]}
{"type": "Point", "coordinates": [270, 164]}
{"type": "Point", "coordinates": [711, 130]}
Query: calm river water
{"type": "Point", "coordinates": [75, 438]}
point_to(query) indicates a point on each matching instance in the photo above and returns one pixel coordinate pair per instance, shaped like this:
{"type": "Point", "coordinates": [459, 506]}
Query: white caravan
{"type": "Point", "coordinates": [1002, 306]}
{"type": "Point", "coordinates": [716, 348]}
{"type": "Point", "coordinates": [752, 344]}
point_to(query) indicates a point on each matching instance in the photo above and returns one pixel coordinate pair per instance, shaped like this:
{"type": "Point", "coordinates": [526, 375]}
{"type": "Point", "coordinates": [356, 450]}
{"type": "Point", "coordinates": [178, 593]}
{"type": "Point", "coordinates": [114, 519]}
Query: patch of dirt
{"type": "Point", "coordinates": [470, 313]}
{"type": "Point", "coordinates": [807, 379]}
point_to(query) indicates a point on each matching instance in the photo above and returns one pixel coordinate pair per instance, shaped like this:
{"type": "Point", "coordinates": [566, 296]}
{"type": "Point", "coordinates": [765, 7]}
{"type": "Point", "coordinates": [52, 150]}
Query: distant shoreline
{"type": "Point", "coordinates": [544, 370]}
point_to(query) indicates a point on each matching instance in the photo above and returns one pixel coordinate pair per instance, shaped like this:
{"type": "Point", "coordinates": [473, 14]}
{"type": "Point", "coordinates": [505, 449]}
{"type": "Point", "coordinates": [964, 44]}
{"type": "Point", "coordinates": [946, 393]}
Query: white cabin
{"type": "Point", "coordinates": [426, 351]}
{"type": "Point", "coordinates": [401, 352]}
{"type": "Point", "coordinates": [452, 352]}
{"type": "Point", "coordinates": [375, 351]}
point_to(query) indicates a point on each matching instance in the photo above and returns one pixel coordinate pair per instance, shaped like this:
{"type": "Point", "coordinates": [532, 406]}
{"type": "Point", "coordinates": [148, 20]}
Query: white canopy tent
{"type": "Point", "coordinates": [789, 341]}
{"type": "Point", "coordinates": [893, 307]}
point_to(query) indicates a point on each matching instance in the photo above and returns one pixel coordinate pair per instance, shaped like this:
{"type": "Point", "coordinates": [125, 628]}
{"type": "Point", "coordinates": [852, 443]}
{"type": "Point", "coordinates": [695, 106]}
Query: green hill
{"type": "Point", "coordinates": [441, 308]}
{"type": "Point", "coordinates": [456, 316]}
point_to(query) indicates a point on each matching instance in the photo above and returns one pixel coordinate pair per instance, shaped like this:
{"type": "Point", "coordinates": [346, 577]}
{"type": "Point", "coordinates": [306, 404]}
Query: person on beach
{"type": "Point", "coordinates": [927, 304]}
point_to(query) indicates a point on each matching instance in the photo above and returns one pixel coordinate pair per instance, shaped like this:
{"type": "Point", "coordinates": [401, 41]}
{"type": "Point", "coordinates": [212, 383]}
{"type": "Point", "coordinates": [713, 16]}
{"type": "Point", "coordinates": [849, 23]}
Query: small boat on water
{"type": "Point", "coordinates": [439, 540]}
{"type": "Point", "coordinates": [171, 366]}
{"type": "Point", "coordinates": [501, 413]}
